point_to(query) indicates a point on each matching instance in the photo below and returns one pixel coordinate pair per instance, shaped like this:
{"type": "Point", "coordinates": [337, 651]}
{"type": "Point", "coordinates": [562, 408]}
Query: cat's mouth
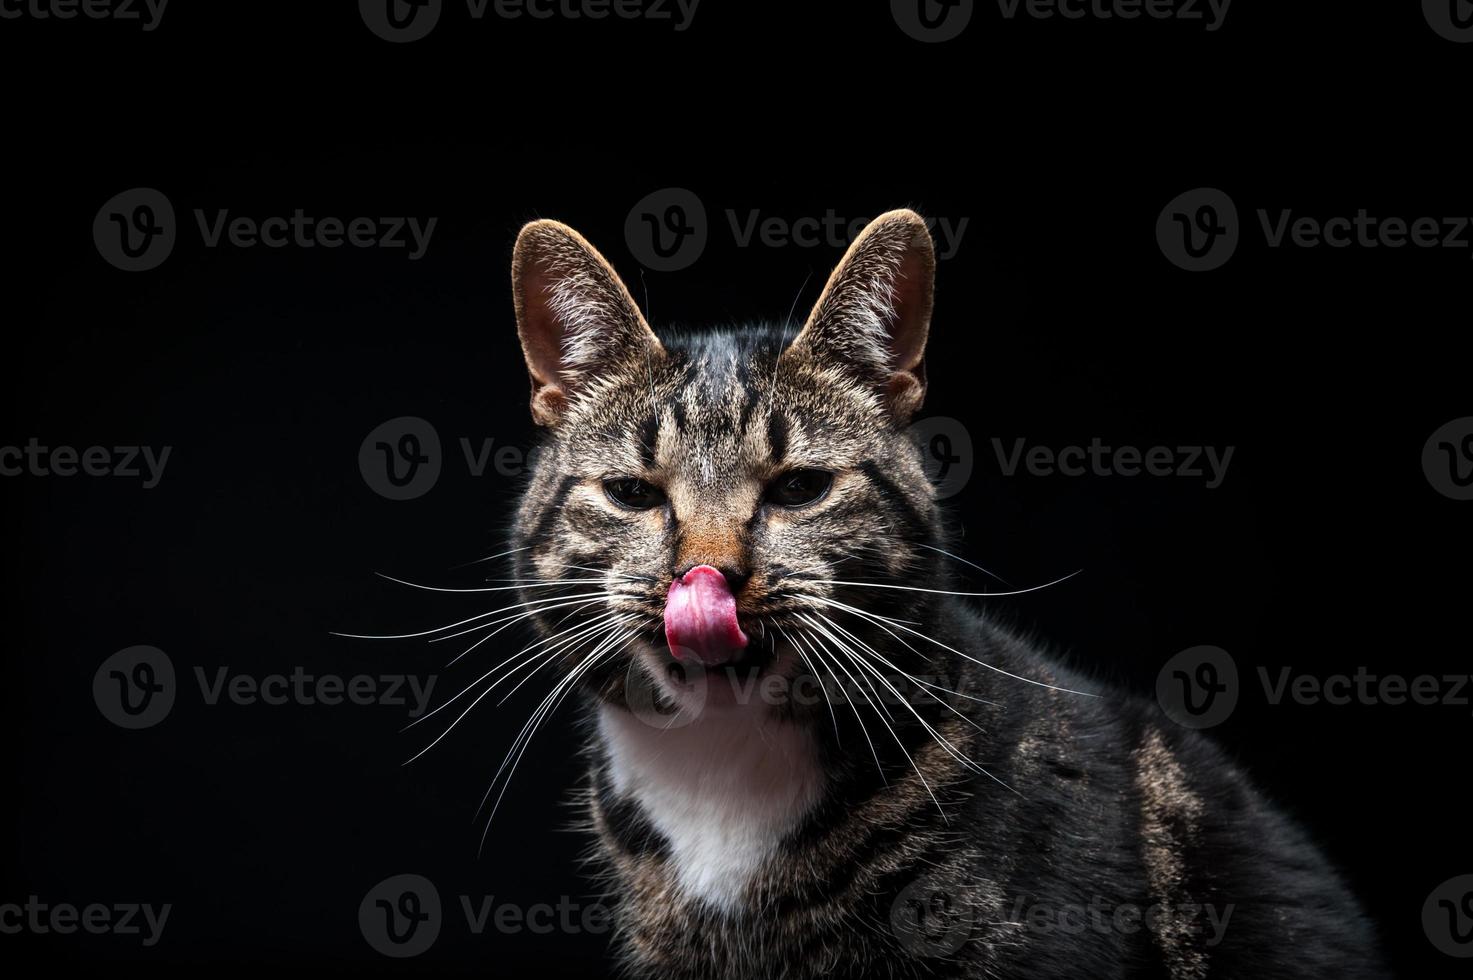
{"type": "Point", "coordinates": [742, 680]}
{"type": "Point", "coordinates": [706, 651]}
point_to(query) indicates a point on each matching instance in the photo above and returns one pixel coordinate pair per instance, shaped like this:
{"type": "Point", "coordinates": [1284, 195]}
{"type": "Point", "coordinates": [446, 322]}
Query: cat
{"type": "Point", "coordinates": [807, 757]}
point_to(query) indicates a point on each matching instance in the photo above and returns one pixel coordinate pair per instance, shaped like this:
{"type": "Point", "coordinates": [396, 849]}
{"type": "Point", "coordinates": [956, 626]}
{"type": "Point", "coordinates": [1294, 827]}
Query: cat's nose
{"type": "Point", "coordinates": [735, 577]}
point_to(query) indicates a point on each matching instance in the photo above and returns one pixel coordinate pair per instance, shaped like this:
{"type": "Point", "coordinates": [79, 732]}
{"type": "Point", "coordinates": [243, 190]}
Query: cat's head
{"type": "Point", "coordinates": [732, 499]}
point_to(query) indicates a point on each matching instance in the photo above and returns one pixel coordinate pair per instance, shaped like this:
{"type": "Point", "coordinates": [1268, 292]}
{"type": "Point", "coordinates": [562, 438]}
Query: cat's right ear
{"type": "Point", "coordinates": [575, 317]}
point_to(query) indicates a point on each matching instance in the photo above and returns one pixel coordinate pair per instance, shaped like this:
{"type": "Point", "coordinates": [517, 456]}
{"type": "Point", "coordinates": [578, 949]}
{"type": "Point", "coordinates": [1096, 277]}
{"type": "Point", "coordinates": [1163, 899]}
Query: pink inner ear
{"type": "Point", "coordinates": [542, 331]}
{"type": "Point", "coordinates": [912, 304]}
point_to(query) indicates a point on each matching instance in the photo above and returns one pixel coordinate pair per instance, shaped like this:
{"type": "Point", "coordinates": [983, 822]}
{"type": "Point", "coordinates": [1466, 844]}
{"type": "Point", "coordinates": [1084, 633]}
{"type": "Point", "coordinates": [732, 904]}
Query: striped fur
{"type": "Point", "coordinates": [799, 836]}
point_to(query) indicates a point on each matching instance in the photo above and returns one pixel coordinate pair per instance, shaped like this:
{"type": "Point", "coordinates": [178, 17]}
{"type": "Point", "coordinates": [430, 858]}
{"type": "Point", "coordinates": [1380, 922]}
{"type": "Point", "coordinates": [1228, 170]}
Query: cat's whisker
{"type": "Point", "coordinates": [451, 626]}
{"type": "Point", "coordinates": [814, 671]}
{"type": "Point", "coordinates": [942, 551]}
{"type": "Point", "coordinates": [981, 663]}
{"type": "Point", "coordinates": [606, 571]}
{"type": "Point", "coordinates": [911, 677]}
{"type": "Point", "coordinates": [499, 588]}
{"type": "Point", "coordinates": [879, 703]}
{"type": "Point", "coordinates": [863, 663]}
{"type": "Point", "coordinates": [505, 625]}
{"type": "Point", "coordinates": [549, 705]}
{"type": "Point", "coordinates": [613, 625]}
{"type": "Point", "coordinates": [564, 684]}
{"type": "Point", "coordinates": [940, 739]}
{"type": "Point", "coordinates": [548, 605]}
{"type": "Point", "coordinates": [575, 630]}
{"type": "Point", "coordinates": [883, 715]}
{"type": "Point", "coordinates": [499, 554]}
{"type": "Point", "coordinates": [863, 728]}
{"type": "Point", "coordinates": [878, 618]}
{"type": "Point", "coordinates": [478, 699]}
{"type": "Point", "coordinates": [912, 588]}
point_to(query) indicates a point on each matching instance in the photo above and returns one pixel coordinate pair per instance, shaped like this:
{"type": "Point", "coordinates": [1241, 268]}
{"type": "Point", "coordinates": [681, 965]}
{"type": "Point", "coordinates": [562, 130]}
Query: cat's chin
{"type": "Point", "coordinates": [757, 681]}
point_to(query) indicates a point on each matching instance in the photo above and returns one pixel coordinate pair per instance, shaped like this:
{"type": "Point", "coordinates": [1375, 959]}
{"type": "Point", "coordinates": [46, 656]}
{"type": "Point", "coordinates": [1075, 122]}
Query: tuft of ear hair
{"type": "Point", "coordinates": [575, 316]}
{"type": "Point", "coordinates": [875, 312]}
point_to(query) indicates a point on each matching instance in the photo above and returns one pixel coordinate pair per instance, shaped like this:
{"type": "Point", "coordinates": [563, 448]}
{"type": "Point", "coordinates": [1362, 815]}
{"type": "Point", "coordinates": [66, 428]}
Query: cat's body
{"type": "Point", "coordinates": [1124, 847]}
{"type": "Point", "coordinates": [949, 802]}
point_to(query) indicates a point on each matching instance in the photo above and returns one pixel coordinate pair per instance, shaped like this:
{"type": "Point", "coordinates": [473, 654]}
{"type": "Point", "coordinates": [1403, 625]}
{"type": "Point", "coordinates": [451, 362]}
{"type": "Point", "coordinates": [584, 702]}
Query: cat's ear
{"type": "Point", "coordinates": [875, 312]}
{"type": "Point", "coordinates": [575, 317]}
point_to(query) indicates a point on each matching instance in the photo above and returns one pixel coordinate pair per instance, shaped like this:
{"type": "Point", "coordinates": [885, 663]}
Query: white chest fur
{"type": "Point", "coordinates": [723, 791]}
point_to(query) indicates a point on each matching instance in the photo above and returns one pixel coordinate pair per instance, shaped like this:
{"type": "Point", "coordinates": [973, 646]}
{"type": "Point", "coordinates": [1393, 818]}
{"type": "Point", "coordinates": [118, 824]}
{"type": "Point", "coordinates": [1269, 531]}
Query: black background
{"type": "Point", "coordinates": [1058, 320]}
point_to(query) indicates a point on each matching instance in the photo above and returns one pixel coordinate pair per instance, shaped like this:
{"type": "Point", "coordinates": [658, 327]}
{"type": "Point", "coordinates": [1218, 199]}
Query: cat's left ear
{"type": "Point", "coordinates": [575, 317]}
{"type": "Point", "coordinates": [875, 312]}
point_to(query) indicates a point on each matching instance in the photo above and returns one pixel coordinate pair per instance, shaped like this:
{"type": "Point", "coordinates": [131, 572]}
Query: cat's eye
{"type": "Point", "coordinates": [634, 493]}
{"type": "Point", "coordinates": [799, 488]}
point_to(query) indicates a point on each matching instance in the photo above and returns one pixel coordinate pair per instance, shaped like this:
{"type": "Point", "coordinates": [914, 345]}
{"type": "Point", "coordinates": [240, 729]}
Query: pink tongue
{"type": "Point", "coordinates": [701, 618]}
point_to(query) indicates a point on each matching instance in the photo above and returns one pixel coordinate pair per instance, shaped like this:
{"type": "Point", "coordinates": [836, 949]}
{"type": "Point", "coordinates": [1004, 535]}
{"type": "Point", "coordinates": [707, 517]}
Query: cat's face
{"type": "Point", "coordinates": [705, 498]}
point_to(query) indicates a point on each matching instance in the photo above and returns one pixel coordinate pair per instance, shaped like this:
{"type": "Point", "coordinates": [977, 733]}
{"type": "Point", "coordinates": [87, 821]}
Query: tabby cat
{"type": "Point", "coordinates": [807, 756]}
